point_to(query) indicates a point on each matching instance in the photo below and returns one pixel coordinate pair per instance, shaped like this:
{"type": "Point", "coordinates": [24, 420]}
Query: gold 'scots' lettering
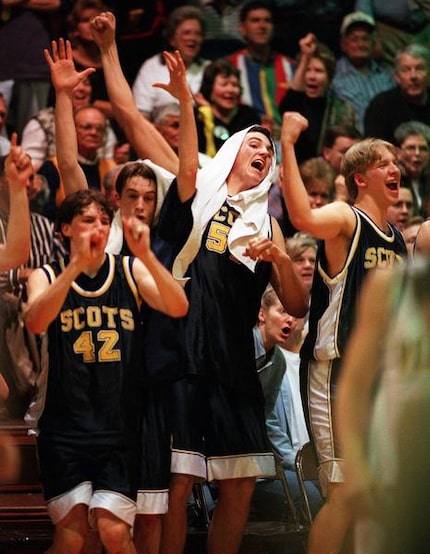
{"type": "Point", "coordinates": [95, 317]}
{"type": "Point", "coordinates": [380, 258]}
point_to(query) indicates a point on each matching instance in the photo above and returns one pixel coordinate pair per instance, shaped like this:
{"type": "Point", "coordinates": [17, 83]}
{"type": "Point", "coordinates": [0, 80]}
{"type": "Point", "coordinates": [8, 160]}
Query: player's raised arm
{"type": "Point", "coordinates": [188, 142]}
{"type": "Point", "coordinates": [143, 136]}
{"type": "Point", "coordinates": [65, 78]}
{"type": "Point", "coordinates": [326, 222]}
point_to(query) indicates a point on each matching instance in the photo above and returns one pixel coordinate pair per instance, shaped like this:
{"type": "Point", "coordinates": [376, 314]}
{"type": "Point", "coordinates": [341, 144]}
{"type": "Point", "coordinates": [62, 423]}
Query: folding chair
{"type": "Point", "coordinates": [306, 469]}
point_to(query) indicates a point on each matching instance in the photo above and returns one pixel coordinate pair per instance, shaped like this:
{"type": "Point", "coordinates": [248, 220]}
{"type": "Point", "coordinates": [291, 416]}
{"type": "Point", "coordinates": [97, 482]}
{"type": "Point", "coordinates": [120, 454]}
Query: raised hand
{"type": "Point", "coordinates": [103, 29]}
{"type": "Point", "coordinates": [308, 44]}
{"type": "Point", "coordinates": [18, 166]}
{"type": "Point", "coordinates": [177, 86]}
{"type": "Point", "coordinates": [63, 73]}
{"type": "Point", "coordinates": [137, 236]}
{"type": "Point", "coordinates": [293, 124]}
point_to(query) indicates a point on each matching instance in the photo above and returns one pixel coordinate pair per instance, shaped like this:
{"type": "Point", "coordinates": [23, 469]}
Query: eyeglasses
{"type": "Point", "coordinates": [91, 127]}
{"type": "Point", "coordinates": [412, 148]}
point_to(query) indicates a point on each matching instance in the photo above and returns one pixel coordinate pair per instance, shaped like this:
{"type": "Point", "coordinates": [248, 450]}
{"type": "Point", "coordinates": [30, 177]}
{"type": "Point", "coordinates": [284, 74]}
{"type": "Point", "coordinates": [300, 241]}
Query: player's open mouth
{"type": "Point", "coordinates": [258, 164]}
{"type": "Point", "coordinates": [393, 186]}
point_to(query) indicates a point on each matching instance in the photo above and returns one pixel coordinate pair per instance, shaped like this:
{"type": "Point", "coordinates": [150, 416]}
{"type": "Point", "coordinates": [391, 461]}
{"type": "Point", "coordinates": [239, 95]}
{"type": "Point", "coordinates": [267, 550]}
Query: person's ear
{"type": "Point", "coordinates": [261, 318]}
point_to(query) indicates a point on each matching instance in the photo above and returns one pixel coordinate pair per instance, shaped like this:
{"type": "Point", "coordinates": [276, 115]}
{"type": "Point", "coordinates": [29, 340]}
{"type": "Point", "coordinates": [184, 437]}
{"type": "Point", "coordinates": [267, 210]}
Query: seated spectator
{"type": "Point", "coordinates": [4, 141]}
{"type": "Point", "coordinates": [38, 137]}
{"type": "Point", "coordinates": [166, 120]}
{"type": "Point", "coordinates": [184, 32]}
{"type": "Point", "coordinates": [90, 129]}
{"type": "Point", "coordinates": [220, 113]}
{"type": "Point", "coordinates": [85, 51]}
{"type": "Point", "coordinates": [286, 427]}
{"type": "Point", "coordinates": [358, 77]}
{"type": "Point", "coordinates": [410, 232]}
{"type": "Point", "coordinates": [412, 139]}
{"type": "Point", "coordinates": [400, 213]}
{"type": "Point", "coordinates": [337, 140]}
{"type": "Point", "coordinates": [408, 100]}
{"type": "Point", "coordinates": [317, 103]}
{"type": "Point", "coordinates": [266, 75]}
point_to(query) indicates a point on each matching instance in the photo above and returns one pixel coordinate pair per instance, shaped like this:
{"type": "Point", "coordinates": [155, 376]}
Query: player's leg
{"type": "Point", "coordinates": [174, 529]}
{"type": "Point", "coordinates": [71, 531]}
{"type": "Point", "coordinates": [115, 534]}
{"type": "Point", "coordinates": [230, 515]}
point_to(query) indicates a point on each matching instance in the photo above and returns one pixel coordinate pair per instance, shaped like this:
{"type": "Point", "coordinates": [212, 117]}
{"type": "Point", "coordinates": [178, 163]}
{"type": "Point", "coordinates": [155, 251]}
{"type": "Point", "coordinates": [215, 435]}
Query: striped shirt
{"type": "Point", "coordinates": [45, 247]}
{"type": "Point", "coordinates": [358, 88]}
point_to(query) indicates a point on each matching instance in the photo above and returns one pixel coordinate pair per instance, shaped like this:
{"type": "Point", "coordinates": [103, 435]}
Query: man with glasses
{"type": "Point", "coordinates": [90, 130]}
{"type": "Point", "coordinates": [412, 139]}
{"type": "Point", "coordinates": [407, 101]}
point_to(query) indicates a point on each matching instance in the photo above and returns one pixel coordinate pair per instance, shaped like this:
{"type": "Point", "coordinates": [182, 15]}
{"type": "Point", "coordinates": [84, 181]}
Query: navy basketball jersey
{"type": "Point", "coordinates": [225, 299]}
{"type": "Point", "coordinates": [94, 348]}
{"type": "Point", "coordinates": [333, 300]}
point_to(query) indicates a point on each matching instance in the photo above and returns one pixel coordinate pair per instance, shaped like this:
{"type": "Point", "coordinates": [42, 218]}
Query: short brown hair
{"type": "Point", "coordinates": [359, 157]}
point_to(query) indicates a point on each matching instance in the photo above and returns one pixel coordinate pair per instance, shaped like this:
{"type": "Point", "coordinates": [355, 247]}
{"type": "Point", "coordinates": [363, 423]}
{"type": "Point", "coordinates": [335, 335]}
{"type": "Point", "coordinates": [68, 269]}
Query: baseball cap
{"type": "Point", "coordinates": [354, 18]}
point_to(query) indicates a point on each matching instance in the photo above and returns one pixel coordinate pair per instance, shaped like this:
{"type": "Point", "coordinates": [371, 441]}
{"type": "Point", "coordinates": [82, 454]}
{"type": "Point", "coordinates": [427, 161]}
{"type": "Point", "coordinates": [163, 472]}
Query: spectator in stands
{"type": "Point", "coordinates": [408, 100]}
{"type": "Point", "coordinates": [422, 240]}
{"type": "Point", "coordinates": [15, 246]}
{"type": "Point", "coordinates": [318, 180]}
{"type": "Point", "coordinates": [220, 113]}
{"type": "Point", "coordinates": [167, 121]}
{"type": "Point", "coordinates": [318, 104]}
{"type": "Point", "coordinates": [398, 23]}
{"type": "Point", "coordinates": [358, 77]}
{"type": "Point", "coordinates": [184, 32]}
{"type": "Point", "coordinates": [90, 130]}
{"type": "Point", "coordinates": [4, 142]}
{"type": "Point", "coordinates": [19, 355]}
{"type": "Point", "coordinates": [401, 212]}
{"type": "Point", "coordinates": [38, 136]}
{"type": "Point", "coordinates": [266, 75]}
{"type": "Point", "coordinates": [285, 421]}
{"type": "Point", "coordinates": [85, 51]}
{"type": "Point", "coordinates": [337, 140]}
{"type": "Point", "coordinates": [412, 139]}
{"type": "Point", "coordinates": [410, 232]}
{"type": "Point", "coordinates": [222, 27]}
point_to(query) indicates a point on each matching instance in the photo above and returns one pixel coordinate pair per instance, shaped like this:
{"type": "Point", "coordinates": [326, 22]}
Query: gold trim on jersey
{"type": "Point", "coordinates": [105, 286]}
{"type": "Point", "coordinates": [130, 280]}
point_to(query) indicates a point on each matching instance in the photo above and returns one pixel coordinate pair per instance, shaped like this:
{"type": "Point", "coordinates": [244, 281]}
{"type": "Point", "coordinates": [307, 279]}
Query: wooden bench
{"type": "Point", "coordinates": [24, 522]}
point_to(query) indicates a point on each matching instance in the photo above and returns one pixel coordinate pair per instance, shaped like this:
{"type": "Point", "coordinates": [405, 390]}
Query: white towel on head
{"type": "Point", "coordinates": [211, 192]}
{"type": "Point", "coordinates": [164, 180]}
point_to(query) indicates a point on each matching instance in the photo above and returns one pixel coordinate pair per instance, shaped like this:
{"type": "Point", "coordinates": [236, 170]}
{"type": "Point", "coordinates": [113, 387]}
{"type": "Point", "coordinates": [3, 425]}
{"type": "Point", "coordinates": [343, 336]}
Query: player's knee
{"type": "Point", "coordinates": [114, 534]}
